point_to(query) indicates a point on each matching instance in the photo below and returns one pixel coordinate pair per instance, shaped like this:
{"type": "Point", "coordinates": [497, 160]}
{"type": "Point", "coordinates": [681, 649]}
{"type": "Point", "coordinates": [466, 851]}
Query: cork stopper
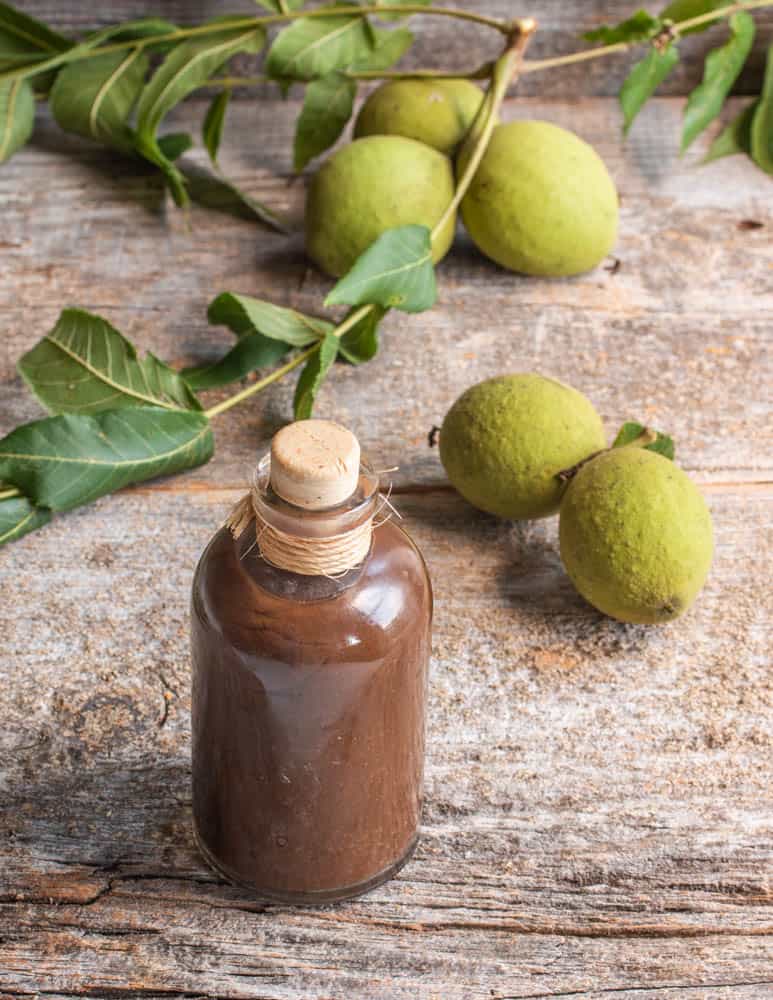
{"type": "Point", "coordinates": [314, 464]}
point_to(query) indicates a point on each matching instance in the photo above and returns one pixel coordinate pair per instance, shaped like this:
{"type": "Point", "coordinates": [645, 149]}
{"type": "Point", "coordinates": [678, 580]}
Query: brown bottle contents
{"type": "Point", "coordinates": [309, 682]}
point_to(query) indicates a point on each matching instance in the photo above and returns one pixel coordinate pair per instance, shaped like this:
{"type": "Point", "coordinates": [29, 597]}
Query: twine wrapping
{"type": "Point", "coordinates": [324, 556]}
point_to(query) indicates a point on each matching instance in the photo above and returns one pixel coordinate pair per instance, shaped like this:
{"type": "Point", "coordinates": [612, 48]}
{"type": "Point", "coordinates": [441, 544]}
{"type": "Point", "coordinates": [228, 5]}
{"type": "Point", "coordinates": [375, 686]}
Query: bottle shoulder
{"type": "Point", "coordinates": [236, 592]}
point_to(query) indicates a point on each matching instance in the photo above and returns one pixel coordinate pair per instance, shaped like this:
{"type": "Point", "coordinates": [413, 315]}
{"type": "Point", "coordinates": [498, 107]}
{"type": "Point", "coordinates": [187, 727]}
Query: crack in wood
{"type": "Point", "coordinates": [110, 932]}
{"type": "Point", "coordinates": [555, 930]}
{"type": "Point", "coordinates": [504, 926]}
{"type": "Point", "coordinates": [631, 989]}
{"type": "Point", "coordinates": [116, 993]}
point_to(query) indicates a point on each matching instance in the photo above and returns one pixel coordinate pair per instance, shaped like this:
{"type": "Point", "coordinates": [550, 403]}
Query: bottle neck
{"type": "Point", "coordinates": [326, 543]}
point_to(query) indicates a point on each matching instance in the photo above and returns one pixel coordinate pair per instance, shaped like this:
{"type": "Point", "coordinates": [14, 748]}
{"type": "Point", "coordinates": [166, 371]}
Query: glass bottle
{"type": "Point", "coordinates": [310, 642]}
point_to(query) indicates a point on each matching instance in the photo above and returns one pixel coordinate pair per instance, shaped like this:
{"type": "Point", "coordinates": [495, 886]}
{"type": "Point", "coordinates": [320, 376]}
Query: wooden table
{"type": "Point", "coordinates": [598, 818]}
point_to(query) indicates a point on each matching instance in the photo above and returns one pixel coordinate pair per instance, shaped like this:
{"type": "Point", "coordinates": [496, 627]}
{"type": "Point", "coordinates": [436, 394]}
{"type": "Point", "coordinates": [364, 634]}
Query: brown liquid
{"type": "Point", "coordinates": [308, 717]}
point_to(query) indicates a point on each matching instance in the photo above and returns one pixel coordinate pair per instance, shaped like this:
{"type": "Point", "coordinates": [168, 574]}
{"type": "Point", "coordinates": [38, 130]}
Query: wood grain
{"type": "Point", "coordinates": [598, 815]}
{"type": "Point", "coordinates": [449, 44]}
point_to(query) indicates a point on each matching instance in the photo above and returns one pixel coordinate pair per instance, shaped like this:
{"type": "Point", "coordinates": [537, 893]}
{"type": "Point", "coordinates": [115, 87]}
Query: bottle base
{"type": "Point", "coordinates": [319, 897]}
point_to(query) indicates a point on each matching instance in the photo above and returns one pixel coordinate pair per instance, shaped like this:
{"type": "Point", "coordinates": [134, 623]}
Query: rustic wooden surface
{"type": "Point", "coordinates": [599, 818]}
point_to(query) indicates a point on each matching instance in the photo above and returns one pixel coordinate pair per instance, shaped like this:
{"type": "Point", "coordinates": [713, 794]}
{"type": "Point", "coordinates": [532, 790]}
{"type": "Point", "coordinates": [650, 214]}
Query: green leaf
{"type": "Point", "coordinates": [313, 375]}
{"type": "Point", "coordinates": [212, 131]}
{"type": "Point", "coordinates": [148, 147]}
{"type": "Point", "coordinates": [735, 137]}
{"type": "Point", "coordinates": [24, 41]}
{"type": "Point", "coordinates": [221, 195]}
{"type": "Point", "coordinates": [187, 67]}
{"type": "Point", "coordinates": [18, 517]}
{"type": "Point", "coordinates": [327, 107]}
{"type": "Point", "coordinates": [720, 72]}
{"type": "Point", "coordinates": [360, 344]}
{"type": "Point", "coordinates": [162, 152]}
{"type": "Point", "coordinates": [140, 28]}
{"type": "Point", "coordinates": [95, 97]}
{"type": "Point", "coordinates": [175, 144]}
{"type": "Point", "coordinates": [47, 59]}
{"type": "Point", "coordinates": [762, 123]}
{"type": "Point", "coordinates": [275, 6]}
{"type": "Point", "coordinates": [253, 351]}
{"type": "Point", "coordinates": [685, 10]}
{"type": "Point", "coordinates": [22, 38]}
{"type": "Point", "coordinates": [644, 79]}
{"type": "Point", "coordinates": [65, 461]}
{"type": "Point", "coordinates": [84, 365]}
{"type": "Point", "coordinates": [17, 116]}
{"type": "Point", "coordinates": [260, 211]}
{"type": "Point", "coordinates": [266, 332]}
{"type": "Point", "coordinates": [628, 433]}
{"type": "Point", "coordinates": [243, 314]}
{"type": "Point", "coordinates": [43, 68]}
{"type": "Point", "coordinates": [396, 271]}
{"type": "Point", "coordinates": [312, 47]}
{"type": "Point", "coordinates": [663, 445]}
{"type": "Point", "coordinates": [636, 28]}
{"type": "Point", "coordinates": [10, 59]}
{"type": "Point", "coordinates": [398, 3]}
{"type": "Point", "coordinates": [388, 48]}
{"type": "Point", "coordinates": [631, 433]}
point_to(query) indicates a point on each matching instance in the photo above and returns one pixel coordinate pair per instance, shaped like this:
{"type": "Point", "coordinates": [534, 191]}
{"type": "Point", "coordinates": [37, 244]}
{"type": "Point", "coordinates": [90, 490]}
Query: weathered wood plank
{"type": "Point", "coordinates": [446, 43]}
{"type": "Point", "coordinates": [598, 814]}
{"type": "Point", "coordinates": [678, 336]}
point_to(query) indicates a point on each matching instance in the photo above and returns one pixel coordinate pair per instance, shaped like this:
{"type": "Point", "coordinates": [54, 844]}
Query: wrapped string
{"type": "Point", "coordinates": [330, 555]}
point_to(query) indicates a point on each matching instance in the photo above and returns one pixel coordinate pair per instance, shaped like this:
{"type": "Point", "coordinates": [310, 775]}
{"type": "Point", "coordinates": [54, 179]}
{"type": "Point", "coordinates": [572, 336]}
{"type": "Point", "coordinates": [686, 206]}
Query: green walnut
{"type": "Point", "coordinates": [541, 202]}
{"type": "Point", "coordinates": [436, 112]}
{"type": "Point", "coordinates": [505, 440]}
{"type": "Point", "coordinates": [636, 536]}
{"type": "Point", "coordinates": [371, 185]}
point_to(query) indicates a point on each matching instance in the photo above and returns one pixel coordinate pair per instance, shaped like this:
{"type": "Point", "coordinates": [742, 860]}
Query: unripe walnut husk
{"type": "Point", "coordinates": [372, 185]}
{"type": "Point", "coordinates": [541, 202]}
{"type": "Point", "coordinates": [436, 112]}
